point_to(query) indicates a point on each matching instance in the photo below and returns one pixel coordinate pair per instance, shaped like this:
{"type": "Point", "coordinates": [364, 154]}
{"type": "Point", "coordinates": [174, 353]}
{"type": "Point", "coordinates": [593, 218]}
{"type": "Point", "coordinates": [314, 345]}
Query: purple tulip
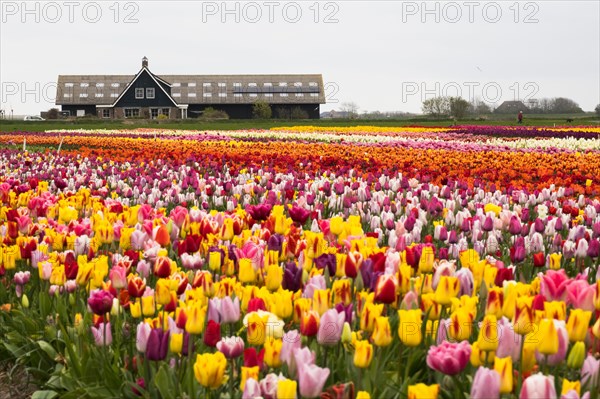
{"type": "Point", "coordinates": [158, 344]}
{"type": "Point", "coordinates": [486, 384]}
{"type": "Point", "coordinates": [224, 310]}
{"type": "Point", "coordinates": [231, 347]}
{"type": "Point", "coordinates": [449, 358]}
{"type": "Point", "coordinates": [538, 386]}
{"type": "Point", "coordinates": [292, 277]}
{"type": "Point", "coordinates": [514, 226]}
{"type": "Point", "coordinates": [488, 224]}
{"type": "Point", "coordinates": [593, 250]}
{"type": "Point", "coordinates": [330, 327]}
{"type": "Point", "coordinates": [298, 214]}
{"type": "Point", "coordinates": [346, 310]}
{"type": "Point", "coordinates": [328, 261]}
{"type": "Point", "coordinates": [100, 302]}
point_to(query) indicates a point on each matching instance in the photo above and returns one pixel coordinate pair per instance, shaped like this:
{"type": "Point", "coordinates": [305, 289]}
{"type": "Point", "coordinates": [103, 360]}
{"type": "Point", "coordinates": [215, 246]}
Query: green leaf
{"type": "Point", "coordinates": [46, 347]}
{"type": "Point", "coordinates": [164, 383]}
{"type": "Point", "coordinates": [44, 395]}
{"type": "Point", "coordinates": [44, 304]}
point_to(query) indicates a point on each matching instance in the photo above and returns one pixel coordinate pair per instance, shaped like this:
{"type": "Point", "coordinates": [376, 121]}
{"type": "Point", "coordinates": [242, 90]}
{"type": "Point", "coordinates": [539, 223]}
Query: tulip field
{"type": "Point", "coordinates": [301, 262]}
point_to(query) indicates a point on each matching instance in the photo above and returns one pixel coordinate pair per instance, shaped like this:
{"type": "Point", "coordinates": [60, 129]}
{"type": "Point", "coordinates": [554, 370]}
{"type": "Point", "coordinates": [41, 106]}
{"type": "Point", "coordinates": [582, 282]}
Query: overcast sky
{"type": "Point", "coordinates": [382, 55]}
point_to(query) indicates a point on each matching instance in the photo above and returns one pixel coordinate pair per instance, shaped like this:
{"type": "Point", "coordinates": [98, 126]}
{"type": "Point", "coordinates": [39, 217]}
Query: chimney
{"type": "Point", "coordinates": [144, 62]}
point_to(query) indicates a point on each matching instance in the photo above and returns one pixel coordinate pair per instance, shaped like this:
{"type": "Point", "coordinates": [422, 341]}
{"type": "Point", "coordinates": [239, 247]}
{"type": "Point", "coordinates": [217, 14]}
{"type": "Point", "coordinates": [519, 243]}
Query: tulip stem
{"type": "Point", "coordinates": [520, 379]}
{"type": "Point", "coordinates": [190, 365]}
{"type": "Point", "coordinates": [231, 386]}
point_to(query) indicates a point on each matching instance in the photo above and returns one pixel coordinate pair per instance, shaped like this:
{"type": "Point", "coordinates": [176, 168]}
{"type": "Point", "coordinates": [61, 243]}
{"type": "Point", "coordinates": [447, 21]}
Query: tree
{"type": "Point", "coordinates": [211, 113]}
{"type": "Point", "coordinates": [458, 107]}
{"type": "Point", "coordinates": [261, 110]}
{"type": "Point", "coordinates": [298, 113]}
{"type": "Point", "coordinates": [436, 106]}
{"type": "Point", "coordinates": [597, 109]}
{"type": "Point", "coordinates": [564, 105]}
{"type": "Point", "coordinates": [52, 113]}
{"type": "Point", "coordinates": [350, 108]}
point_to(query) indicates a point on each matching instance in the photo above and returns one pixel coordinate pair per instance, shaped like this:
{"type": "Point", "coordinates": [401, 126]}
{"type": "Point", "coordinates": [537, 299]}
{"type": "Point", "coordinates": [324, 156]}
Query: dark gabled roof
{"type": "Point", "coordinates": [196, 89]}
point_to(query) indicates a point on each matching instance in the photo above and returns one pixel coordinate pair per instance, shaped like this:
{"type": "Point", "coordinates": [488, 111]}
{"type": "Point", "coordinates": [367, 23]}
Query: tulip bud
{"type": "Point", "coordinates": [576, 356]}
{"type": "Point", "coordinates": [25, 301]}
{"type": "Point", "coordinates": [346, 333]}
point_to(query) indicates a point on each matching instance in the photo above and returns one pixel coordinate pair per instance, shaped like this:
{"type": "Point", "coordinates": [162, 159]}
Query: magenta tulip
{"type": "Point", "coordinates": [449, 358]}
{"type": "Point", "coordinates": [100, 302]}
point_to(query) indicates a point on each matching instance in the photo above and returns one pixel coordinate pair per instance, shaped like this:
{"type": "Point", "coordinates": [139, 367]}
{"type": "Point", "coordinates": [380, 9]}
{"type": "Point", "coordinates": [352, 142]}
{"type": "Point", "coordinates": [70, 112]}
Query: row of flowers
{"type": "Point", "coordinates": [200, 275]}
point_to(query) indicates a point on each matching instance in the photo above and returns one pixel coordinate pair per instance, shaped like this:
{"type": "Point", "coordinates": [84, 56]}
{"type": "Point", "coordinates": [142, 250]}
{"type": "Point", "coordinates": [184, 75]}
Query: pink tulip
{"type": "Point", "coordinates": [268, 385]}
{"type": "Point", "coordinates": [449, 358]}
{"type": "Point", "coordinates": [589, 371]}
{"type": "Point", "coordinates": [486, 384]}
{"type": "Point", "coordinates": [291, 341]}
{"type": "Point", "coordinates": [143, 332]}
{"type": "Point", "coordinates": [231, 347]}
{"type": "Point", "coordinates": [538, 386]}
{"type": "Point", "coordinates": [102, 334]}
{"type": "Point", "coordinates": [312, 378]}
{"type": "Point", "coordinates": [118, 277]}
{"type": "Point", "coordinates": [509, 342]}
{"type": "Point", "coordinates": [554, 285]}
{"type": "Point", "coordinates": [581, 295]}
{"type": "Point", "coordinates": [251, 389]}
{"type": "Point", "coordinates": [330, 327]}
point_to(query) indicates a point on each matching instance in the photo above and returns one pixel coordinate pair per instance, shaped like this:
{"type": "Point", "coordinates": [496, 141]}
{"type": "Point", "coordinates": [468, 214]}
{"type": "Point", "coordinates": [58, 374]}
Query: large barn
{"type": "Point", "coordinates": [146, 95]}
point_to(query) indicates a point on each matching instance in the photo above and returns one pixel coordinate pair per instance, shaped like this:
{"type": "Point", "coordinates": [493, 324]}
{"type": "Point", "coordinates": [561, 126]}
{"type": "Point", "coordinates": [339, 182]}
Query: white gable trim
{"type": "Point", "coordinates": [136, 78]}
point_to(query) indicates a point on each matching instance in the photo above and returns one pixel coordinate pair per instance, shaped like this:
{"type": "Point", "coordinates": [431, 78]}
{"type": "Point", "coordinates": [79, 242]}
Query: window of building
{"type": "Point", "coordinates": [153, 113]}
{"type": "Point", "coordinates": [237, 94]}
{"type": "Point", "coordinates": [139, 93]}
{"type": "Point", "coordinates": [268, 84]}
{"type": "Point", "coordinates": [150, 92]}
{"type": "Point", "coordinates": [132, 112]}
{"type": "Point", "coordinates": [268, 94]}
{"type": "Point", "coordinates": [206, 94]}
{"type": "Point", "coordinates": [206, 85]}
{"type": "Point", "coordinates": [166, 111]}
{"type": "Point", "coordinates": [68, 84]}
{"type": "Point", "coordinates": [176, 84]}
{"type": "Point", "coordinates": [99, 95]}
{"type": "Point", "coordinates": [191, 94]}
{"type": "Point", "coordinates": [283, 94]}
{"type": "Point", "coordinates": [176, 94]}
{"type": "Point", "coordinates": [299, 94]}
{"type": "Point", "coordinates": [313, 84]}
{"type": "Point", "coordinates": [282, 84]}
{"type": "Point", "coordinates": [253, 94]}
{"type": "Point", "coordinates": [83, 95]}
{"type": "Point", "coordinates": [114, 95]}
{"type": "Point", "coordinates": [192, 84]}
{"type": "Point", "coordinates": [67, 95]}
{"type": "Point", "coordinates": [222, 94]}
{"type": "Point", "coordinates": [99, 84]}
{"type": "Point", "coordinates": [106, 113]}
{"type": "Point", "coordinates": [298, 84]}
{"type": "Point", "coordinates": [84, 84]}
{"type": "Point", "coordinates": [80, 112]}
{"type": "Point", "coordinates": [252, 85]}
{"type": "Point", "coordinates": [115, 85]}
{"type": "Point", "coordinates": [237, 84]}
{"type": "Point", "coordinates": [314, 94]}
{"type": "Point", "coordinates": [222, 84]}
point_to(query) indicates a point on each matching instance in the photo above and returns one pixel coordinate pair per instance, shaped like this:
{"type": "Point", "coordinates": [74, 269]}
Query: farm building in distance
{"type": "Point", "coordinates": [146, 95]}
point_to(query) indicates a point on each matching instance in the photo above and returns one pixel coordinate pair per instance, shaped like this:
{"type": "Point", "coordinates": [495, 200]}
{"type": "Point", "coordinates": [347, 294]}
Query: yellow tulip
{"type": "Point", "coordinates": [286, 389]}
{"type": "Point", "coordinates": [363, 395]}
{"type": "Point", "coordinates": [503, 365]}
{"type": "Point", "coordinates": [272, 352]}
{"type": "Point", "coordinates": [523, 320]}
{"type": "Point", "coordinates": [555, 310]}
{"type": "Point", "coordinates": [148, 306]}
{"type": "Point", "coordinates": [321, 299]}
{"type": "Point", "coordinates": [196, 314]}
{"type": "Point", "coordinates": [448, 288]}
{"type": "Point", "coordinates": [409, 328]}
{"type": "Point", "coordinates": [468, 258]}
{"type": "Point", "coordinates": [248, 372]}
{"type": "Point", "coordinates": [488, 334]}
{"type": "Point", "coordinates": [430, 306]}
{"type": "Point", "coordinates": [426, 260]}
{"type": "Point", "coordinates": [281, 304]}
{"type": "Point", "coordinates": [363, 353]}
{"type": "Point", "coordinates": [461, 324]}
{"type": "Point", "coordinates": [162, 292]}
{"type": "Point", "coordinates": [368, 315]}
{"type": "Point", "coordinates": [555, 260]}
{"type": "Point", "coordinates": [246, 274]}
{"type": "Point", "coordinates": [494, 302]}
{"type": "Point", "coordinates": [422, 391]}
{"type": "Point", "coordinates": [382, 334]}
{"type": "Point", "coordinates": [136, 309]}
{"type": "Point", "coordinates": [548, 337]}
{"type": "Point", "coordinates": [176, 343]}
{"type": "Point", "coordinates": [274, 277]}
{"type": "Point", "coordinates": [570, 386]}
{"type": "Point", "coordinates": [256, 332]}
{"type": "Point", "coordinates": [214, 260]}
{"type": "Point", "coordinates": [209, 369]}
{"type": "Point", "coordinates": [578, 324]}
{"type": "Point", "coordinates": [342, 291]}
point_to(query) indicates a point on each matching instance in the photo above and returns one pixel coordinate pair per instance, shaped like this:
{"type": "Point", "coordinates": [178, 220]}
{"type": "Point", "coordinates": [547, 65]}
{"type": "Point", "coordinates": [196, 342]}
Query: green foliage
{"type": "Point", "coordinates": [261, 110]}
{"type": "Point", "coordinates": [213, 114]}
{"type": "Point", "coordinates": [298, 113]}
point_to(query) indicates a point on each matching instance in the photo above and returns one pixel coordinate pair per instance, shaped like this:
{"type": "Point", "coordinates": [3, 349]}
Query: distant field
{"type": "Point", "coordinates": [194, 124]}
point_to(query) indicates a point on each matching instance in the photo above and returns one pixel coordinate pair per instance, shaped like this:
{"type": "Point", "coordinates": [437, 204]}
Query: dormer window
{"type": "Point", "coordinates": [139, 93]}
{"type": "Point", "coordinates": [150, 92]}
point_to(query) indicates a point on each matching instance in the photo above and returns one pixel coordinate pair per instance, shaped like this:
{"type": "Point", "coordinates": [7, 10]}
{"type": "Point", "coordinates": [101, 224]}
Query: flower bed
{"type": "Point", "coordinates": [349, 263]}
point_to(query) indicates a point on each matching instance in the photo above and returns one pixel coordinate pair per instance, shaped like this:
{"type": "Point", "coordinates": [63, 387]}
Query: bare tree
{"type": "Point", "coordinates": [436, 106]}
{"type": "Point", "coordinates": [350, 108]}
